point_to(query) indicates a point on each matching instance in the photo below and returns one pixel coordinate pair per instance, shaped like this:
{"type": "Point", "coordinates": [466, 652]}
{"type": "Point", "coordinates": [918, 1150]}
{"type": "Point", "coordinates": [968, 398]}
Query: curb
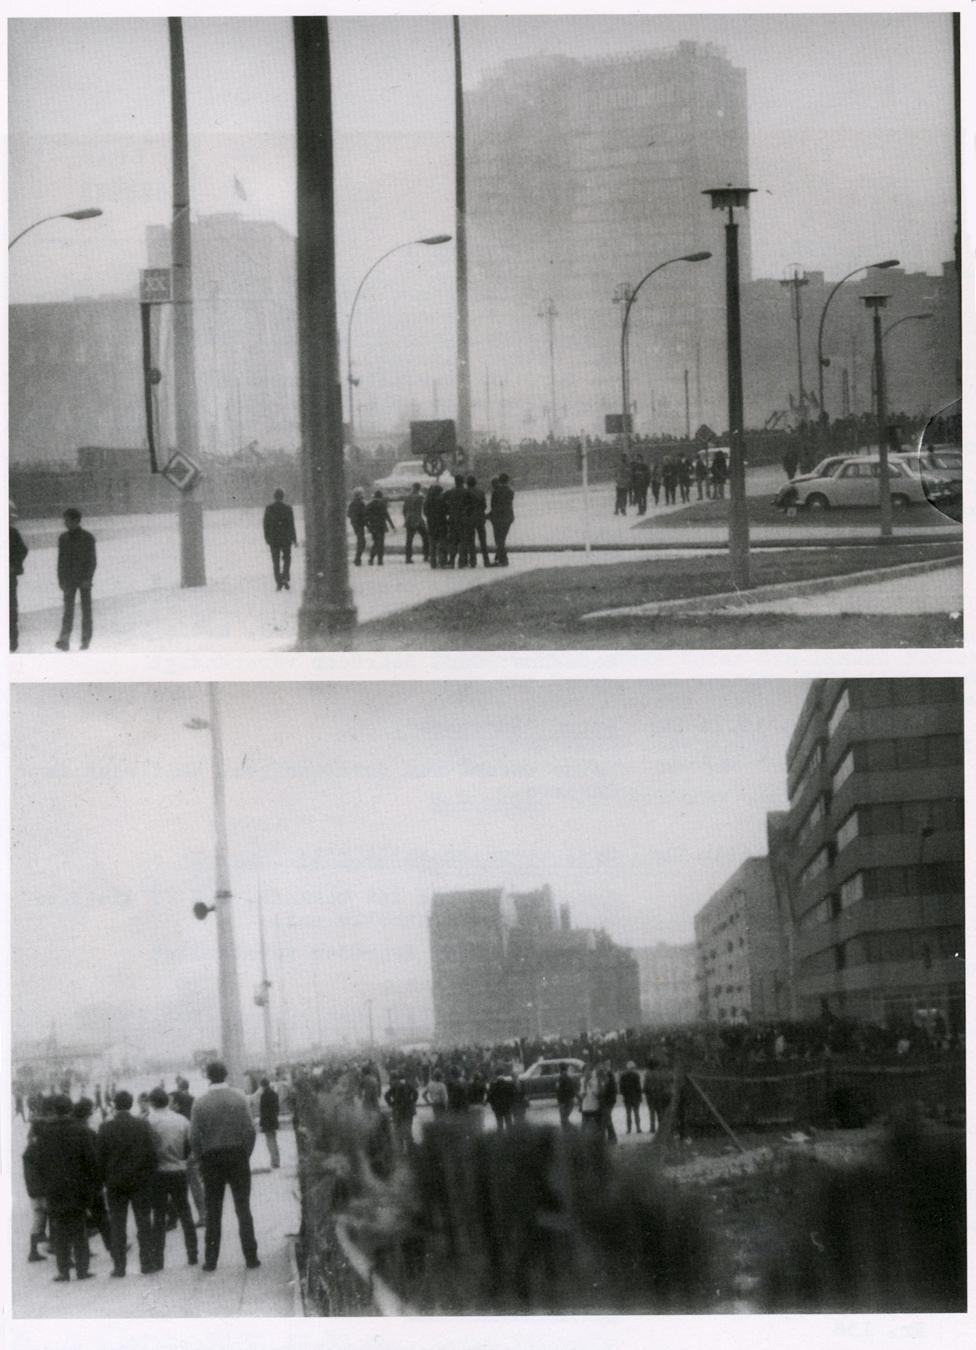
{"type": "Point", "coordinates": [297, 1298]}
{"type": "Point", "coordinates": [784, 590]}
{"type": "Point", "coordinates": [722, 545]}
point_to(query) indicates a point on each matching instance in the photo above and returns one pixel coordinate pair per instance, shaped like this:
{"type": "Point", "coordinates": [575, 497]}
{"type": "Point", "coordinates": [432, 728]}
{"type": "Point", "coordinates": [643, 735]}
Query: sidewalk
{"type": "Point", "coordinates": [179, 1290]}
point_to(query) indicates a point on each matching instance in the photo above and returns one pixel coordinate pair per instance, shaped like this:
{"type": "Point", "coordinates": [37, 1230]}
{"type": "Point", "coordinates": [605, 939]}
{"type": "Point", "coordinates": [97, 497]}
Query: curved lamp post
{"type": "Point", "coordinates": [821, 363]}
{"type": "Point", "coordinates": [408, 243]}
{"type": "Point", "coordinates": [628, 297]}
{"type": "Point", "coordinates": [927, 314]}
{"type": "Point", "coordinates": [876, 303]}
{"type": "Point", "coordinates": [87, 213]}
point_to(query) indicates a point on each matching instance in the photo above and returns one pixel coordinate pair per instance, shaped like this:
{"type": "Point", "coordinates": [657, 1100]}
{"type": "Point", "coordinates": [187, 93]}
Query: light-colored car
{"type": "Point", "coordinates": [399, 482]}
{"type": "Point", "coordinates": [540, 1080]}
{"type": "Point", "coordinates": [855, 481]}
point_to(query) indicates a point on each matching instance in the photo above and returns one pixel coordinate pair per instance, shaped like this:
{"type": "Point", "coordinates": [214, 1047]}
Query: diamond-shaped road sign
{"type": "Point", "coordinates": [182, 471]}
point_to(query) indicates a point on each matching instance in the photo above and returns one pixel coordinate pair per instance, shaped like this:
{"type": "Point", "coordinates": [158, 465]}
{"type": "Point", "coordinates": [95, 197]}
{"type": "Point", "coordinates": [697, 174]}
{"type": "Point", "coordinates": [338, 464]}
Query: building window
{"type": "Point", "coordinates": [844, 770]}
{"type": "Point", "coordinates": [817, 864]}
{"type": "Point", "coordinates": [838, 711]}
{"type": "Point", "coordinates": [851, 890]}
{"type": "Point", "coordinates": [848, 831]}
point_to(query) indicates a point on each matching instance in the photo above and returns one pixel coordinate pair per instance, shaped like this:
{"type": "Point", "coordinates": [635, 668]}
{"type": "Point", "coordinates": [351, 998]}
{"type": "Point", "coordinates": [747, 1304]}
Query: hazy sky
{"type": "Point", "coordinates": [349, 805]}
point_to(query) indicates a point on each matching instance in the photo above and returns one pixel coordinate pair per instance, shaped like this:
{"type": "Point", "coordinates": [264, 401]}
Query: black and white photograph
{"type": "Point", "coordinates": [650, 324]}
{"type": "Point", "coordinates": [488, 997]}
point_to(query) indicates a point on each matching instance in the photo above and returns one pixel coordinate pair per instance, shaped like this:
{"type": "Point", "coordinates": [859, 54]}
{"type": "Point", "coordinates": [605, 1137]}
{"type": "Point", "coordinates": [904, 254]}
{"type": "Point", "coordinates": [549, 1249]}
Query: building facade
{"type": "Point", "coordinates": [875, 778]}
{"type": "Point", "coordinates": [668, 991]}
{"type": "Point", "coordinates": [583, 175]}
{"type": "Point", "coordinates": [504, 965]}
{"type": "Point", "coordinates": [737, 944]}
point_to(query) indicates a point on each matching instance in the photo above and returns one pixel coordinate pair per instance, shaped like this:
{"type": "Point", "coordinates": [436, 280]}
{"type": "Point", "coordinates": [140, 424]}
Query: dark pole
{"type": "Point", "coordinates": [327, 610]}
{"type": "Point", "coordinates": [879, 379]}
{"type": "Point", "coordinates": [687, 409]}
{"type": "Point", "coordinates": [193, 568]}
{"type": "Point", "coordinates": [738, 514]}
{"type": "Point", "coordinates": [463, 354]}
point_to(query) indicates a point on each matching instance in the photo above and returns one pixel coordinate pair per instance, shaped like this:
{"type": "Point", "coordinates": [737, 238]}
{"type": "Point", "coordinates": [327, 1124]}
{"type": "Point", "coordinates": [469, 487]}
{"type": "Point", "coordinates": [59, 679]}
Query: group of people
{"type": "Point", "coordinates": [80, 1178]}
{"type": "Point", "coordinates": [672, 475]}
{"type": "Point", "coordinates": [76, 573]}
{"type": "Point", "coordinates": [449, 524]}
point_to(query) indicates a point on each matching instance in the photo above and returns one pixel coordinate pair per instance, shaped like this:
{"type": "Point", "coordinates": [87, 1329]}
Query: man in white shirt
{"type": "Point", "coordinates": [171, 1140]}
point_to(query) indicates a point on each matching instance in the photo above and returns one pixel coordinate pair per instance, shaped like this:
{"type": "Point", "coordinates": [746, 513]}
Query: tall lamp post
{"type": "Point", "coordinates": [876, 304]}
{"type": "Point", "coordinates": [822, 361]}
{"type": "Point", "coordinates": [728, 198]}
{"type": "Point", "coordinates": [231, 1024]}
{"type": "Point", "coordinates": [795, 282]}
{"type": "Point", "coordinates": [626, 295]}
{"type": "Point", "coordinates": [86, 213]}
{"type": "Point", "coordinates": [409, 243]}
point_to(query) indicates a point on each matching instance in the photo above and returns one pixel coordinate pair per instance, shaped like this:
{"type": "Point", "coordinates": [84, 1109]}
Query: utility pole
{"type": "Point", "coordinates": [327, 613]}
{"type": "Point", "coordinates": [231, 1024]}
{"type": "Point", "coordinates": [687, 409]}
{"type": "Point", "coordinates": [265, 994]}
{"type": "Point", "coordinates": [461, 236]}
{"type": "Point", "coordinates": [794, 283]}
{"type": "Point", "coordinates": [624, 296]}
{"type": "Point", "coordinates": [550, 314]}
{"type": "Point", "coordinates": [193, 570]}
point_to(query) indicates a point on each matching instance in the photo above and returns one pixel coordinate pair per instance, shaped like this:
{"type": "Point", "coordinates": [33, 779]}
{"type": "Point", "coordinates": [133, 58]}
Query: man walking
{"type": "Point", "coordinates": [280, 537]}
{"type": "Point", "coordinates": [64, 1169]}
{"type": "Point", "coordinates": [502, 516]}
{"type": "Point", "coordinates": [18, 553]}
{"type": "Point", "coordinates": [378, 522]}
{"type": "Point", "coordinates": [222, 1136]}
{"type": "Point", "coordinates": [76, 571]}
{"type": "Point", "coordinates": [171, 1139]}
{"type": "Point", "coordinates": [268, 1108]}
{"type": "Point", "coordinates": [356, 513]}
{"type": "Point", "coordinates": [127, 1165]}
{"type": "Point", "coordinates": [413, 522]}
{"type": "Point", "coordinates": [567, 1095]}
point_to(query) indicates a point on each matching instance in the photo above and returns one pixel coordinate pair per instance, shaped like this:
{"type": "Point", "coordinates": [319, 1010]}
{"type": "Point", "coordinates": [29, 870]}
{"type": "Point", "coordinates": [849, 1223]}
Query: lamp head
{"type": "Point", "coordinates": [88, 213]}
{"type": "Point", "coordinates": [728, 196]}
{"type": "Point", "coordinates": [435, 239]}
{"type": "Point", "coordinates": [882, 266]}
{"type": "Point", "coordinates": [201, 910]}
{"type": "Point", "coordinates": [876, 301]}
{"type": "Point", "coordinates": [695, 257]}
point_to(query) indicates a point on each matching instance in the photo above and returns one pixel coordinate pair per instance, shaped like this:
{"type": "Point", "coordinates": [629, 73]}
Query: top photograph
{"type": "Point", "coordinates": [624, 332]}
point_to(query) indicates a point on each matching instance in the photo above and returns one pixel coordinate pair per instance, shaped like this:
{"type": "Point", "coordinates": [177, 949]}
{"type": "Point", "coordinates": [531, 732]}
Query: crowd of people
{"type": "Point", "coordinates": [673, 475]}
{"type": "Point", "coordinates": [450, 525]}
{"type": "Point", "coordinates": [150, 1156]}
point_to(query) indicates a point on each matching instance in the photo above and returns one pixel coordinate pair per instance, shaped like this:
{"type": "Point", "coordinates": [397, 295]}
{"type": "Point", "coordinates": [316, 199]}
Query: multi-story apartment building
{"type": "Point", "coordinates": [583, 175]}
{"type": "Point", "coordinates": [667, 983]}
{"type": "Point", "coordinates": [737, 947]}
{"type": "Point", "coordinates": [503, 966]}
{"type": "Point", "coordinates": [875, 778]}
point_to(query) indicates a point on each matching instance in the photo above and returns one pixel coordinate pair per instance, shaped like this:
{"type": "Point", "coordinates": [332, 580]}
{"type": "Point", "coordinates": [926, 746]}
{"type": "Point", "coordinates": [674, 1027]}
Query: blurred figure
{"type": "Point", "coordinates": [268, 1110]}
{"type": "Point", "coordinates": [567, 1095]}
{"type": "Point", "coordinates": [63, 1154]}
{"type": "Point", "coordinates": [435, 513]}
{"type": "Point", "coordinates": [171, 1140]}
{"type": "Point", "coordinates": [18, 555]}
{"type": "Point", "coordinates": [502, 516]}
{"type": "Point", "coordinates": [501, 1099]}
{"type": "Point", "coordinates": [378, 522]}
{"type": "Point", "coordinates": [356, 513]}
{"type": "Point", "coordinates": [479, 514]}
{"type": "Point", "coordinates": [33, 1181]}
{"type": "Point", "coordinates": [630, 1091]}
{"type": "Point", "coordinates": [435, 1094]}
{"type": "Point", "coordinates": [280, 537]}
{"type": "Point", "coordinates": [413, 523]}
{"type": "Point", "coordinates": [621, 487]}
{"type": "Point", "coordinates": [401, 1098]}
{"type": "Point", "coordinates": [76, 572]}
{"type": "Point", "coordinates": [127, 1165]}
{"type": "Point", "coordinates": [222, 1136]}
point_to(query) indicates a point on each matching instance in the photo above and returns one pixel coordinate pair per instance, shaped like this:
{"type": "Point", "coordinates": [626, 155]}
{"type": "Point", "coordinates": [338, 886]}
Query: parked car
{"type": "Point", "coordinates": [541, 1078]}
{"type": "Point", "coordinates": [401, 478]}
{"type": "Point", "coordinates": [854, 480]}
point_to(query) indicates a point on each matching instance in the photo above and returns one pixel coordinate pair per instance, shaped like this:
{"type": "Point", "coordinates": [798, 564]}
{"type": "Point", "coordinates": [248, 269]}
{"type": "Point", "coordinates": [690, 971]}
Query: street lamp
{"type": "Point", "coordinates": [892, 326]}
{"type": "Point", "coordinates": [231, 1024]}
{"type": "Point", "coordinates": [823, 363]}
{"type": "Point", "coordinates": [627, 296]}
{"type": "Point", "coordinates": [796, 281]}
{"type": "Point", "coordinates": [409, 243]}
{"type": "Point", "coordinates": [876, 304]}
{"type": "Point", "coordinates": [729, 198]}
{"type": "Point", "coordinates": [87, 213]}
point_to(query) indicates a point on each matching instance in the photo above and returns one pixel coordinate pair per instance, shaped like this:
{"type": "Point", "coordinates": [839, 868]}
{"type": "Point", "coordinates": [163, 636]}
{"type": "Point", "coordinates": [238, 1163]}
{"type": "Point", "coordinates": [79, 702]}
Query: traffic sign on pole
{"type": "Point", "coordinates": [156, 286]}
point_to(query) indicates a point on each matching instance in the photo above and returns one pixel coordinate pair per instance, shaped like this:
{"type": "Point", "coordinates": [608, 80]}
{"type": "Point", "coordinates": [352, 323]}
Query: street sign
{"type": "Point", "coordinates": [618, 424]}
{"type": "Point", "coordinates": [704, 434]}
{"type": "Point", "coordinates": [155, 286]}
{"type": "Point", "coordinates": [182, 471]}
{"type": "Point", "coordinates": [434, 438]}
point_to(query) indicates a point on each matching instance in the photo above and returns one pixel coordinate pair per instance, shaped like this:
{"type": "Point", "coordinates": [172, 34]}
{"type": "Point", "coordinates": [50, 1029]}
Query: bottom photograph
{"type": "Point", "coordinates": [445, 998]}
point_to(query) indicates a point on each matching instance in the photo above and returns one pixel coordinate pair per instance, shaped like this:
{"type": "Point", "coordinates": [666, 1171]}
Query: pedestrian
{"type": "Point", "coordinates": [369, 1089]}
{"type": "Point", "coordinates": [468, 509]}
{"type": "Point", "coordinates": [181, 1099]}
{"type": "Point", "coordinates": [435, 513]}
{"type": "Point", "coordinates": [356, 513]}
{"type": "Point", "coordinates": [268, 1111]}
{"type": "Point", "coordinates": [435, 1094]}
{"type": "Point", "coordinates": [501, 1099]}
{"type": "Point", "coordinates": [401, 1098]}
{"type": "Point", "coordinates": [790, 462]}
{"type": "Point", "coordinates": [567, 1095]}
{"type": "Point", "coordinates": [76, 571]}
{"type": "Point", "coordinates": [65, 1171]}
{"type": "Point", "coordinates": [701, 474]}
{"type": "Point", "coordinates": [479, 513]}
{"type": "Point", "coordinates": [656, 482]}
{"type": "Point", "coordinates": [608, 1100]}
{"type": "Point", "coordinates": [454, 505]}
{"type": "Point", "coordinates": [642, 480]}
{"type": "Point", "coordinates": [34, 1183]}
{"type": "Point", "coordinates": [502, 516]}
{"type": "Point", "coordinates": [377, 522]}
{"type": "Point", "coordinates": [621, 487]}
{"type": "Point", "coordinates": [280, 537]}
{"type": "Point", "coordinates": [171, 1140]}
{"type": "Point", "coordinates": [413, 523]}
{"type": "Point", "coordinates": [97, 1220]}
{"type": "Point", "coordinates": [590, 1109]}
{"type": "Point", "coordinates": [719, 473]}
{"type": "Point", "coordinates": [127, 1166]}
{"type": "Point", "coordinates": [18, 554]}
{"type": "Point", "coordinates": [669, 477]}
{"type": "Point", "coordinates": [222, 1136]}
{"type": "Point", "coordinates": [630, 1091]}
{"type": "Point", "coordinates": [685, 473]}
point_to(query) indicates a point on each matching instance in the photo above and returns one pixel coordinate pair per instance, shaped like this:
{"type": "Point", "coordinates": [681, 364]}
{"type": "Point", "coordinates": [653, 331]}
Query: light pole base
{"type": "Point", "coordinates": [193, 566]}
{"type": "Point", "coordinates": [324, 627]}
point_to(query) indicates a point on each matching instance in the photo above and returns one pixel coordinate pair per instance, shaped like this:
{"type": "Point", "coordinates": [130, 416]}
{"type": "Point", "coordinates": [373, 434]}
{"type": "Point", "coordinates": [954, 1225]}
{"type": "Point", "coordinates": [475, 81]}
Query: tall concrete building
{"type": "Point", "coordinates": [667, 983]}
{"type": "Point", "coordinates": [504, 965]}
{"type": "Point", "coordinates": [582, 175]}
{"type": "Point", "coordinates": [875, 777]}
{"type": "Point", "coordinates": [738, 947]}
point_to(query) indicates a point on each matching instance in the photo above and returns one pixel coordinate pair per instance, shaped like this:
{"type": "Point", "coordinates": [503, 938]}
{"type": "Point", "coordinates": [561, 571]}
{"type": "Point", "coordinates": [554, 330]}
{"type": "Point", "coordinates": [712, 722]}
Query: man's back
{"type": "Point", "coordinates": [279, 524]}
{"type": "Point", "coordinates": [126, 1154]}
{"type": "Point", "coordinates": [76, 557]}
{"type": "Point", "coordinates": [221, 1118]}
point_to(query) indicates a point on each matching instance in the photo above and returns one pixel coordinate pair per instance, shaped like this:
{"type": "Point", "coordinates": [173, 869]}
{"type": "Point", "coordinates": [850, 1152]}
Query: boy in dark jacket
{"type": "Point", "coordinates": [280, 537]}
{"type": "Point", "coordinates": [356, 512]}
{"type": "Point", "coordinates": [378, 522]}
{"type": "Point", "coordinates": [127, 1165]}
{"type": "Point", "coordinates": [76, 571]}
{"type": "Point", "coordinates": [65, 1170]}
